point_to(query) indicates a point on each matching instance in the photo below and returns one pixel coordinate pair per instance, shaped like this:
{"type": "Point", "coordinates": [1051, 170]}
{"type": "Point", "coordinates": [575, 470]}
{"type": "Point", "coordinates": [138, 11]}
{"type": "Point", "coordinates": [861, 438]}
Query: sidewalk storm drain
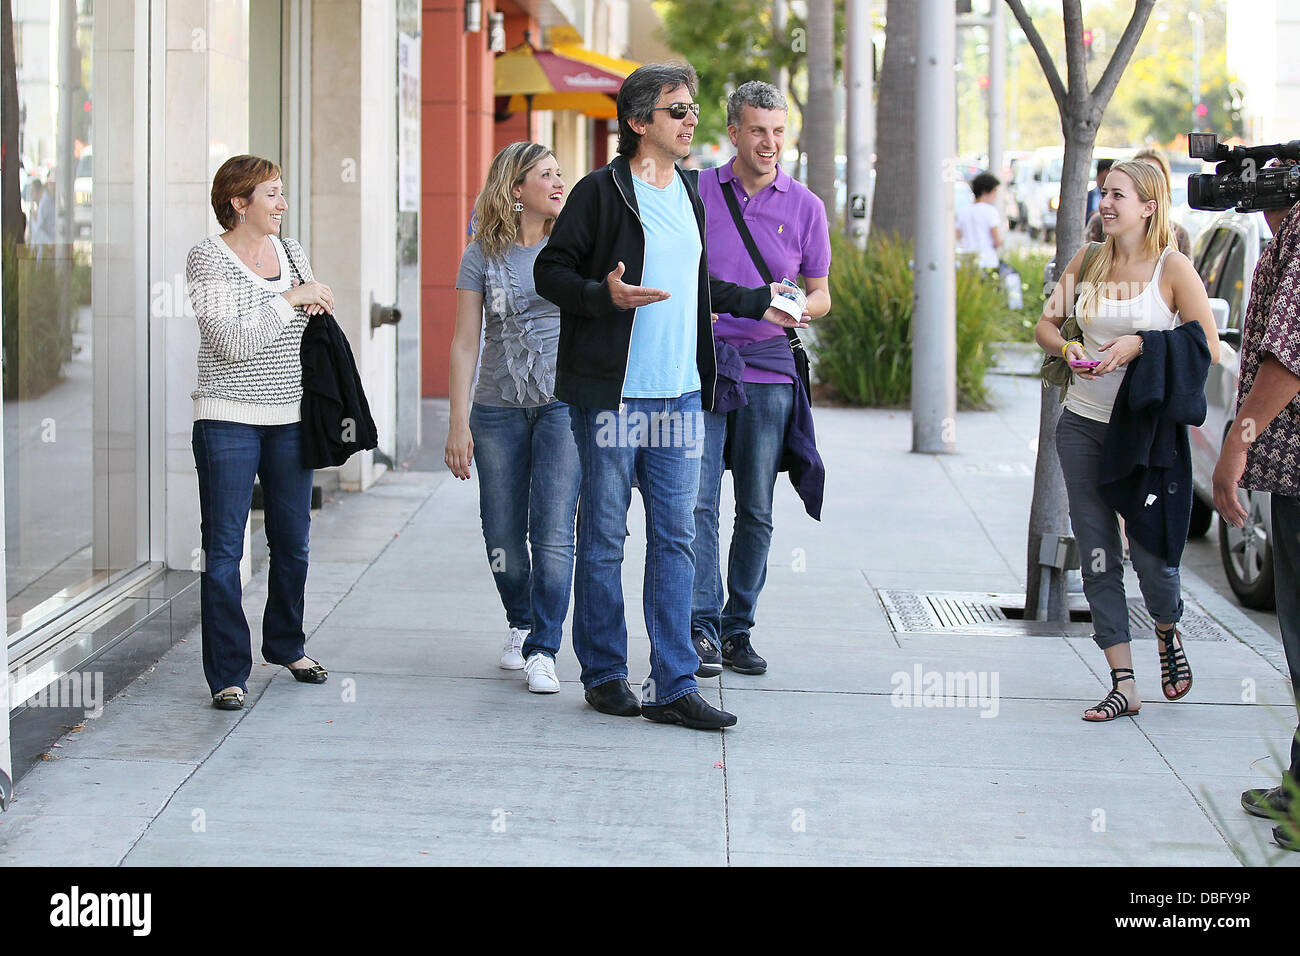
{"type": "Point", "coordinates": [981, 612]}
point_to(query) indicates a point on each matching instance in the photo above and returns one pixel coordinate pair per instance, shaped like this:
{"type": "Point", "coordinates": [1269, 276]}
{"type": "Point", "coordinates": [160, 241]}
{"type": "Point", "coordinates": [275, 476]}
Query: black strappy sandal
{"type": "Point", "coordinates": [1173, 664]}
{"type": "Point", "coordinates": [1115, 704]}
{"type": "Point", "coordinates": [315, 674]}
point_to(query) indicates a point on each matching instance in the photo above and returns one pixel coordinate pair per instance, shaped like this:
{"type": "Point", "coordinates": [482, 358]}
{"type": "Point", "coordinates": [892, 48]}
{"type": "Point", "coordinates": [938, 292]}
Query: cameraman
{"type": "Point", "coordinates": [1260, 452]}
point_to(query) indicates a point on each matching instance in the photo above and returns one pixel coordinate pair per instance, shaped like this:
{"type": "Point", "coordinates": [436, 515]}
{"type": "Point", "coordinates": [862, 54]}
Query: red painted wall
{"type": "Point", "coordinates": [459, 140]}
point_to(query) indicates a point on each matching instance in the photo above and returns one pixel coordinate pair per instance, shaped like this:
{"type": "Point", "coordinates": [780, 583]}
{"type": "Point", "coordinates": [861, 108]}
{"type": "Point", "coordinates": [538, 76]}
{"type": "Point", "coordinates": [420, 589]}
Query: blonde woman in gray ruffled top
{"type": "Point", "coordinates": [509, 424]}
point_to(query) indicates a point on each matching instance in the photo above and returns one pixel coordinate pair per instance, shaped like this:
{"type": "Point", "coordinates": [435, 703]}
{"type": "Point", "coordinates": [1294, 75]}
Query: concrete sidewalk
{"type": "Point", "coordinates": [420, 750]}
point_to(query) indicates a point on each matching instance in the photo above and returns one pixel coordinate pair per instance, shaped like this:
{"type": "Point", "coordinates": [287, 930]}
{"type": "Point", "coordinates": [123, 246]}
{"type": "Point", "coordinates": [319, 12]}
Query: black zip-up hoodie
{"type": "Point", "coordinates": [599, 227]}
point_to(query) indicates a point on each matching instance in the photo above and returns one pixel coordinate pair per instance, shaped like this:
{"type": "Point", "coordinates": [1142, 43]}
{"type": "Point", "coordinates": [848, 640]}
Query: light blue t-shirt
{"type": "Point", "coordinates": [661, 361]}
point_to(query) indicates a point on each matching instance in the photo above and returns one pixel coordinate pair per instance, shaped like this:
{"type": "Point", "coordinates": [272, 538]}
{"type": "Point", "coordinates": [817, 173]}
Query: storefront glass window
{"type": "Point", "coordinates": [74, 329]}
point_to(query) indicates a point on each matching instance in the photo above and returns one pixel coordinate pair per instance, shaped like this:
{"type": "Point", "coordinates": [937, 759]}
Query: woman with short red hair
{"type": "Point", "coordinates": [252, 293]}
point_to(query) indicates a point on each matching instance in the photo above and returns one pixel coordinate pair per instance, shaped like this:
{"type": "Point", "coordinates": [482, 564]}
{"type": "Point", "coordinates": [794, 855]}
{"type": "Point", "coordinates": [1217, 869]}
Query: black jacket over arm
{"type": "Point", "coordinates": [599, 227]}
{"type": "Point", "coordinates": [336, 420]}
{"type": "Point", "coordinates": [1146, 461]}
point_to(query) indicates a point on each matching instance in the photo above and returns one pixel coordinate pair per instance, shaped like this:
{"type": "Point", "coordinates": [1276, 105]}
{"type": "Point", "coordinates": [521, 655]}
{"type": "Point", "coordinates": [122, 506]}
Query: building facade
{"type": "Point", "coordinates": [1262, 37]}
{"type": "Point", "coordinates": [116, 115]}
{"type": "Point", "coordinates": [471, 125]}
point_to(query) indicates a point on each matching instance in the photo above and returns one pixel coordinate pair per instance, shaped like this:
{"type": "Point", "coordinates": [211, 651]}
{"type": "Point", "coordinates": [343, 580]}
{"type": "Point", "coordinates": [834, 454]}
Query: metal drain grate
{"type": "Point", "coordinates": [981, 612]}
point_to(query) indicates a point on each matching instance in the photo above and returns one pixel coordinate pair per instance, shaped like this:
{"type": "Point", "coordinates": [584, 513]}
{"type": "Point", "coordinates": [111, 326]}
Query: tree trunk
{"type": "Point", "coordinates": [11, 206]}
{"type": "Point", "coordinates": [1047, 512]}
{"type": "Point", "coordinates": [893, 209]}
{"type": "Point", "coordinates": [818, 132]}
{"type": "Point", "coordinates": [1081, 112]}
{"type": "Point", "coordinates": [779, 76]}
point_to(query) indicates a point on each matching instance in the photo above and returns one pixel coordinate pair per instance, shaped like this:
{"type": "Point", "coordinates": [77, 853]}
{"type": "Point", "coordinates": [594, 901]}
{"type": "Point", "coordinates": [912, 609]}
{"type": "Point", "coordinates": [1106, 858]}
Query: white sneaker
{"type": "Point", "coordinates": [540, 669]}
{"type": "Point", "coordinates": [512, 658]}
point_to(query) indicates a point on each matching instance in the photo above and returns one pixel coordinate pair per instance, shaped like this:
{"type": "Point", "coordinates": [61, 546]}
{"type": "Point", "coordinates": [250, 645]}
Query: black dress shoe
{"type": "Point", "coordinates": [689, 711]}
{"type": "Point", "coordinates": [614, 697]}
{"type": "Point", "coordinates": [1270, 804]}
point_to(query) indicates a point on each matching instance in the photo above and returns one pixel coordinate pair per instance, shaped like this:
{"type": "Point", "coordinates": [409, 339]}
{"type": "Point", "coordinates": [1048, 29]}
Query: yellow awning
{"type": "Point", "coordinates": [614, 64]}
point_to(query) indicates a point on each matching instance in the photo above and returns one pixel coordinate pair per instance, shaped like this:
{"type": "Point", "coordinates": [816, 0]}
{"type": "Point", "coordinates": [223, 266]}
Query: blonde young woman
{"type": "Point", "coordinates": [1134, 282]}
{"type": "Point", "coordinates": [1154, 156]}
{"type": "Point", "coordinates": [511, 425]}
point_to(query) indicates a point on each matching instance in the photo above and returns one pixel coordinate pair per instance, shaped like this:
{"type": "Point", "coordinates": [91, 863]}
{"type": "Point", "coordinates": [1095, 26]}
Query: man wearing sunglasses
{"type": "Point", "coordinates": [626, 265]}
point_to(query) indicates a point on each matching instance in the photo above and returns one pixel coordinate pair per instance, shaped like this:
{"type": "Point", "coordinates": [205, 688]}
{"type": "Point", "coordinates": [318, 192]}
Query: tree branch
{"type": "Point", "coordinates": [1040, 50]}
{"type": "Point", "coordinates": [1076, 64]}
{"type": "Point", "coordinates": [1105, 87]}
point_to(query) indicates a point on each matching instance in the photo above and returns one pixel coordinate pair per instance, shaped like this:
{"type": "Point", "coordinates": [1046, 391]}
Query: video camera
{"type": "Point", "coordinates": [1240, 181]}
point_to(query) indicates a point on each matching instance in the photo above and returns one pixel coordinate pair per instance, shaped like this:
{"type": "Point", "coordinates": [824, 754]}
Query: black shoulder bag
{"type": "Point", "coordinates": [796, 344]}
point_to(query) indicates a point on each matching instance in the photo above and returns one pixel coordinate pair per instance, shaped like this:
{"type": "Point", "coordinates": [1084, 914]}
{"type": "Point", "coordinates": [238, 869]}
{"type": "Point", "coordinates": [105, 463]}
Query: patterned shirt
{"type": "Point", "coordinates": [1272, 327]}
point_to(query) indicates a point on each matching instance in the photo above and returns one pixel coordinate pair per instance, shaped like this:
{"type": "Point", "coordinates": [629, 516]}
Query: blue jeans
{"type": "Point", "coordinates": [1286, 586]}
{"type": "Point", "coordinates": [528, 475]}
{"type": "Point", "coordinates": [657, 441]}
{"type": "Point", "coordinates": [757, 439]}
{"type": "Point", "coordinates": [228, 456]}
{"type": "Point", "coordinates": [1096, 529]}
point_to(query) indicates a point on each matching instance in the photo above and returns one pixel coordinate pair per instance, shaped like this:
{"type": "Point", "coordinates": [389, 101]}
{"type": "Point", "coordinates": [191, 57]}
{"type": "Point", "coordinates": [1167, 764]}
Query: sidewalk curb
{"type": "Point", "coordinates": [1235, 622]}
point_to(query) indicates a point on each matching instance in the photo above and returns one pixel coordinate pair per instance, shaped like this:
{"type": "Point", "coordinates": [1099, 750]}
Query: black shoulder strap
{"type": "Point", "coordinates": [288, 254]}
{"type": "Point", "coordinates": [729, 194]}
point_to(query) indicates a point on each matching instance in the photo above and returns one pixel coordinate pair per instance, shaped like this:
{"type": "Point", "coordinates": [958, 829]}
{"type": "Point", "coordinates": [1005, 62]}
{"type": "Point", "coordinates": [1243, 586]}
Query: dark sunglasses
{"type": "Point", "coordinates": [679, 110]}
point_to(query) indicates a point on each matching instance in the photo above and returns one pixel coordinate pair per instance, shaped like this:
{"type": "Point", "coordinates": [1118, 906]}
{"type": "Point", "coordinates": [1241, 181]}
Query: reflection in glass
{"type": "Point", "coordinates": [72, 441]}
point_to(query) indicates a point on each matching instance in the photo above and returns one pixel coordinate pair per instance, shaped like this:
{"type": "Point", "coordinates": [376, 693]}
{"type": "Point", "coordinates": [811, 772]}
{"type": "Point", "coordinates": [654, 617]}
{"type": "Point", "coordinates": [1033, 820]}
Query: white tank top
{"type": "Point", "coordinates": [1115, 317]}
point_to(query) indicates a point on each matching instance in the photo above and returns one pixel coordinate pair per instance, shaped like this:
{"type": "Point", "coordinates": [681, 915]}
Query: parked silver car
{"type": "Point", "coordinates": [1225, 255]}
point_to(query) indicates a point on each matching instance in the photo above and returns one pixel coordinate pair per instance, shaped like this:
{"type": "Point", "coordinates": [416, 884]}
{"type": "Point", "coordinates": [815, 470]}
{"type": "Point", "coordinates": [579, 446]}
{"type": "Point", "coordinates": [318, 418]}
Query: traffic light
{"type": "Point", "coordinates": [1202, 110]}
{"type": "Point", "coordinates": [1087, 43]}
{"type": "Point", "coordinates": [81, 114]}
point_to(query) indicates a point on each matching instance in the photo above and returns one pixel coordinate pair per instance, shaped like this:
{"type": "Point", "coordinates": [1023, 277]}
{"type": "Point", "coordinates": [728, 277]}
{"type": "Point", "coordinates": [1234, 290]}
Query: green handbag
{"type": "Point", "coordinates": [1055, 369]}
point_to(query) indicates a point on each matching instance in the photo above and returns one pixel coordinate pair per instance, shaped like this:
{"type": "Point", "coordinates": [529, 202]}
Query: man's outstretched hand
{"type": "Point", "coordinates": [784, 319]}
{"type": "Point", "coordinates": [630, 296]}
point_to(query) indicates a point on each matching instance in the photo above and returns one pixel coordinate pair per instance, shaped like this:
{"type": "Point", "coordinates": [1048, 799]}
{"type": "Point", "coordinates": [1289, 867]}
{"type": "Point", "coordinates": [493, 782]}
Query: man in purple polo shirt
{"type": "Point", "coordinates": [788, 225]}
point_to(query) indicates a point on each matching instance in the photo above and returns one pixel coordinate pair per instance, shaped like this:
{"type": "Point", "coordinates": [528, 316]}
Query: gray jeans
{"type": "Point", "coordinates": [1096, 529]}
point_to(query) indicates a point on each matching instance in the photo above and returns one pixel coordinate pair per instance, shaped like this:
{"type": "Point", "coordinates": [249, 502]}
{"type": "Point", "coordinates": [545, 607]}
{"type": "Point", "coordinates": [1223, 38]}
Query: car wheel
{"type": "Point", "coordinates": [1247, 558]}
{"type": "Point", "coordinates": [1202, 518]}
{"type": "Point", "coordinates": [1033, 233]}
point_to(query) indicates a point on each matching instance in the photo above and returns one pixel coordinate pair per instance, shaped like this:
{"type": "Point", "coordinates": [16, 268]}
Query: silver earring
{"type": "Point", "coordinates": [241, 217]}
{"type": "Point", "coordinates": [519, 207]}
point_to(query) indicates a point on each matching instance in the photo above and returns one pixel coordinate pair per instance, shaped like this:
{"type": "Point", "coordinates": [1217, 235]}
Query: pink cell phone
{"type": "Point", "coordinates": [1085, 363]}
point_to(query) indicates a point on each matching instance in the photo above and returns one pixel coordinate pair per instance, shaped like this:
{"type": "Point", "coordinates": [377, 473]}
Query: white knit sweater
{"type": "Point", "coordinates": [250, 369]}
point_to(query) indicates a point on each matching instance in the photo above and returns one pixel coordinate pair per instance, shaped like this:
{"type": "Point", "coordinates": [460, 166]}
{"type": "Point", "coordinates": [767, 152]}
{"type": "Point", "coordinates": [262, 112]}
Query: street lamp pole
{"type": "Point", "coordinates": [934, 323]}
{"type": "Point", "coordinates": [997, 85]}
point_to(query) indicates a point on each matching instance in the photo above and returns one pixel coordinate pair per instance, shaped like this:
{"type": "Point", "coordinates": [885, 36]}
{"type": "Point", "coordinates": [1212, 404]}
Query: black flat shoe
{"type": "Point", "coordinates": [614, 697]}
{"type": "Point", "coordinates": [228, 700]}
{"type": "Point", "coordinates": [315, 674]}
{"type": "Point", "coordinates": [690, 711]}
